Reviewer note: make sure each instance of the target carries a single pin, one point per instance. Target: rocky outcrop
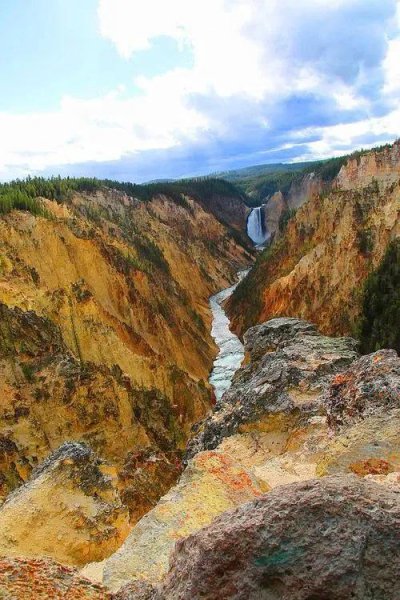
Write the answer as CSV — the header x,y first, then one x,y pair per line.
x,y
290,365
274,207
363,408
280,203
211,484
70,510
317,427
382,165
317,269
334,538
22,579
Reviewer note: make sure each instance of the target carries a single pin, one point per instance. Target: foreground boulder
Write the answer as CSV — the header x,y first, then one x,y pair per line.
x,y
331,539
69,510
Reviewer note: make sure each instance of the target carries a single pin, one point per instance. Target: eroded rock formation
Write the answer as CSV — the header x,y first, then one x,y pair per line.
x,y
104,331
290,364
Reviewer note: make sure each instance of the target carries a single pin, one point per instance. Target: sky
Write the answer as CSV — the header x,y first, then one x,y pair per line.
x,y
138,90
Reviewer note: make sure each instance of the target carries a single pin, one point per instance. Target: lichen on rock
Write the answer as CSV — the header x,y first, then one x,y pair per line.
x,y
290,365
212,483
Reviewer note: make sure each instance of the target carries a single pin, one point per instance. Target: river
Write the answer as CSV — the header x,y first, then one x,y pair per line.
x,y
231,350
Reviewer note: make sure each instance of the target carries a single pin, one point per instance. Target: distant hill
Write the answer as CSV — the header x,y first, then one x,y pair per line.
x,y
260,170
259,182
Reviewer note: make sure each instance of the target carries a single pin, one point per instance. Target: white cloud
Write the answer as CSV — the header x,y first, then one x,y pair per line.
x,y
392,68
226,59
338,139
248,58
101,129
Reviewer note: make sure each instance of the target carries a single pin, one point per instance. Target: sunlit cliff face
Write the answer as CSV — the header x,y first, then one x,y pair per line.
x,y
106,333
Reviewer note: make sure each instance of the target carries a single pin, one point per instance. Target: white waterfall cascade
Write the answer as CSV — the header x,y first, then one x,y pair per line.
x,y
255,226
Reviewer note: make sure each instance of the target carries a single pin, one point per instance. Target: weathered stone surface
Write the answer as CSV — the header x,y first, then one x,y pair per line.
x,y
291,364
370,446
211,484
382,166
22,579
274,334
70,510
369,387
330,539
137,590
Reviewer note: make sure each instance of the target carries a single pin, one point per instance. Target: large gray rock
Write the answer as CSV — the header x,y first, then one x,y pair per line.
x,y
291,364
275,334
337,538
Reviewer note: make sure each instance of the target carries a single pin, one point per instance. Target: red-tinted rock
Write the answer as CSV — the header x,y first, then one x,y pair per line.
x,y
43,579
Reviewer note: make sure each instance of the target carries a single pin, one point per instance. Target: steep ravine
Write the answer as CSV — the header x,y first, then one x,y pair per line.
x,y
291,485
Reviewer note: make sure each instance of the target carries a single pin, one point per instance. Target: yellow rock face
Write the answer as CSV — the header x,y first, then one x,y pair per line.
x,y
284,448
212,483
70,511
370,447
108,338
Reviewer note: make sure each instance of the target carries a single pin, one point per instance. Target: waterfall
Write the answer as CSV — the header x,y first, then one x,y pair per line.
x,y
255,226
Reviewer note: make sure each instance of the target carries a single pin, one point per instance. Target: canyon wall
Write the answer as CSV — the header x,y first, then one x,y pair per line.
x,y
317,268
279,204
104,332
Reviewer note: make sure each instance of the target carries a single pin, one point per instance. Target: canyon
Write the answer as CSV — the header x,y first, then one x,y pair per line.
x,y
150,452
105,337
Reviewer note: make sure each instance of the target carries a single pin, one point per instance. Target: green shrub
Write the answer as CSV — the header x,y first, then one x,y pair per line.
x,y
379,325
365,241
16,199
151,253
